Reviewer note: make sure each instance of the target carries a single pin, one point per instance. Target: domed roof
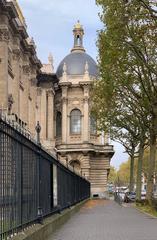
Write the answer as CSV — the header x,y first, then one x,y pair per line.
x,y
75,63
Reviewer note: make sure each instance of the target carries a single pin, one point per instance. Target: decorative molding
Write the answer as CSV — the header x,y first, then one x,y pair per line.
x,y
39,91
50,92
16,54
86,99
10,102
33,82
26,69
4,34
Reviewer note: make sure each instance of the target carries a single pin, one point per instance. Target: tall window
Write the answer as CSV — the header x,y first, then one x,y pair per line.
x,y
93,125
58,124
75,121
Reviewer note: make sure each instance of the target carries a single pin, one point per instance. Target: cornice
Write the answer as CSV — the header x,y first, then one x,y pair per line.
x,y
19,29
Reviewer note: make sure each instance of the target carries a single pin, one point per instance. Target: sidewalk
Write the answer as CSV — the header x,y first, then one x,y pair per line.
x,y
106,220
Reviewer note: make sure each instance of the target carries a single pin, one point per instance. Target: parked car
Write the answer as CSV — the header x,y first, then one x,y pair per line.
x,y
122,195
130,197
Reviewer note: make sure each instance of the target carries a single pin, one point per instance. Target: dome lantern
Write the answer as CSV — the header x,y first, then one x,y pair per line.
x,y
78,37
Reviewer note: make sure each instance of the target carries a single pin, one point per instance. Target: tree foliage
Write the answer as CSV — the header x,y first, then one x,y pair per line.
x,y
112,175
125,99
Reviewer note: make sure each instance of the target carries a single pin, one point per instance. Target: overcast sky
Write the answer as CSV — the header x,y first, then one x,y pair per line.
x,y
50,23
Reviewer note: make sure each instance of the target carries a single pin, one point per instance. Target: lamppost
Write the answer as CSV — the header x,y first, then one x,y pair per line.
x,y
40,211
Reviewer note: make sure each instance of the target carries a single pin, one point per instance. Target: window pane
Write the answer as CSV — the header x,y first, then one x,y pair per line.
x,y
59,124
93,124
75,121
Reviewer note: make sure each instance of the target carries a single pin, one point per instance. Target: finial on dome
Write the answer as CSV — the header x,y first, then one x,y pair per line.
x,y
50,58
64,76
86,74
78,37
86,67
78,25
64,69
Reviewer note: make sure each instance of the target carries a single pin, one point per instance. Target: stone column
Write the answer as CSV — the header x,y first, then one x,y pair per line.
x,y
43,114
50,114
4,41
32,97
38,113
64,114
86,115
24,106
64,120
16,81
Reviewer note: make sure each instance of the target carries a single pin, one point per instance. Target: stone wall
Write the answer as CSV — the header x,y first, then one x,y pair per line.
x,y
19,67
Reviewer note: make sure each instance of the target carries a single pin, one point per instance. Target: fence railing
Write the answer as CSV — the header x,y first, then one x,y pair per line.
x,y
33,184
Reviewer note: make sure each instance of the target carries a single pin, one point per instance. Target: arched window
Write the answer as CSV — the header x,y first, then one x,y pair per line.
x,y
58,124
75,121
93,125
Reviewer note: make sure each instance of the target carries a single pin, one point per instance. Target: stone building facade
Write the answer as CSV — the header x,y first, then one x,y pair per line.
x,y
31,92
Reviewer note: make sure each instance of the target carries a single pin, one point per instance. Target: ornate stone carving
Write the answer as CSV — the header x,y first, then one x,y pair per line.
x,y
4,34
86,89
10,103
16,54
33,82
86,99
64,90
39,91
26,69
50,92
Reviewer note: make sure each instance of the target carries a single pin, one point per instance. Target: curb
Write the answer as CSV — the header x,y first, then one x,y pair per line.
x,y
50,225
145,213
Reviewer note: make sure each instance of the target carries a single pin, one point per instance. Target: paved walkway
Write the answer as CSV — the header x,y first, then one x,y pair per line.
x,y
106,220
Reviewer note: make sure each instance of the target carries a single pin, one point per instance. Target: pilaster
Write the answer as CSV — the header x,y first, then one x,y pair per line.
x,y
50,116
32,97
64,114
25,94
4,41
64,87
16,80
38,114
86,114
43,114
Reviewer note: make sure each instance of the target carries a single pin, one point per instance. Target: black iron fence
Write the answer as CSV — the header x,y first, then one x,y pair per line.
x,y
33,184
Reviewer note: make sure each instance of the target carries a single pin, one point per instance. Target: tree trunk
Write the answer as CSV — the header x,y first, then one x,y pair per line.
x,y
131,187
139,172
151,167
